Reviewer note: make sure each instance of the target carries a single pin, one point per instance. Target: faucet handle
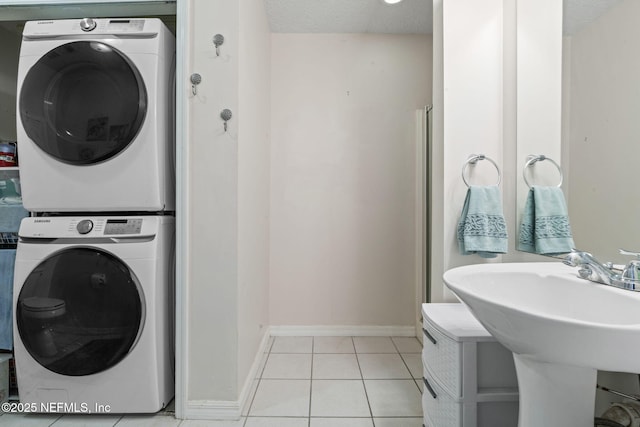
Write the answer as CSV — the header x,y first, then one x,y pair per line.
x,y
631,272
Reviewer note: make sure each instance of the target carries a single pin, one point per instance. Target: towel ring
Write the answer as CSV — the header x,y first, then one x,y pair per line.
x,y
472,160
533,159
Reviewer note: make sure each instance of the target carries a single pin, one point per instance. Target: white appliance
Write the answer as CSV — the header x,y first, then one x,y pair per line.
x,y
95,111
93,303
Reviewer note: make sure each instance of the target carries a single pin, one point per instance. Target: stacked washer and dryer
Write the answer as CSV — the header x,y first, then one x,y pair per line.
x,y
94,277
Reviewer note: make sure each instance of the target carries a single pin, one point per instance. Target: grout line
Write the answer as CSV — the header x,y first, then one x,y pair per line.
x,y
313,342
406,365
119,419
363,384
56,420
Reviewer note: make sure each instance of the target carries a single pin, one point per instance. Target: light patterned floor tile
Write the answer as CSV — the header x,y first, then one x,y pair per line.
x,y
292,345
394,398
341,422
333,345
281,398
414,362
407,344
288,366
335,367
374,345
148,421
398,422
277,422
338,398
383,366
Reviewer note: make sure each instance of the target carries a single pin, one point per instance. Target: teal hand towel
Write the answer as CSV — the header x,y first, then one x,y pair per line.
x,y
7,260
482,229
545,227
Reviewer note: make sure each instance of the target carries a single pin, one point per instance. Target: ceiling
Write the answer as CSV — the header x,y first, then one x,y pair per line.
x,y
375,16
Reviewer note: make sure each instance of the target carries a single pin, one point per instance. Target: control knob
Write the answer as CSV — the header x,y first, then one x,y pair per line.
x,y
87,24
84,226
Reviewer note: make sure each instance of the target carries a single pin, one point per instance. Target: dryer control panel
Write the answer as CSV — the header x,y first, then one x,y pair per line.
x,y
123,226
91,227
148,27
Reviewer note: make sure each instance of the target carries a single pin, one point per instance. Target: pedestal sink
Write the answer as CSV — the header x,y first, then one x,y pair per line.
x,y
561,330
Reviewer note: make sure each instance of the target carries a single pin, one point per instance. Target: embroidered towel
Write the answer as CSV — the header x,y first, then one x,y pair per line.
x,y
545,225
7,259
482,229
10,216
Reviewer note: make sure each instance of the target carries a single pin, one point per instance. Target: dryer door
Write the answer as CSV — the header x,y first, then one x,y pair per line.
x,y
80,311
83,102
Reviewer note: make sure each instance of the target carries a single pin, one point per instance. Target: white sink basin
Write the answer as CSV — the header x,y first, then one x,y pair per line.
x,y
561,329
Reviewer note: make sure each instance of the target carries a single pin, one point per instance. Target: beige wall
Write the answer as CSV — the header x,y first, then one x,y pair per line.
x,y
342,176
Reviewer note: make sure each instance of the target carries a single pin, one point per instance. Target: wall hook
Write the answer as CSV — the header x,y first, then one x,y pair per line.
x,y
218,40
226,116
195,81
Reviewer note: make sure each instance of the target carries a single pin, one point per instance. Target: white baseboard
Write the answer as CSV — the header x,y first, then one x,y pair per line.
x,y
228,409
212,410
343,331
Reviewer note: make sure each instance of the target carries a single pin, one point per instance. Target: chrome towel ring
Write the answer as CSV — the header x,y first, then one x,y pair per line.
x,y
532,159
472,160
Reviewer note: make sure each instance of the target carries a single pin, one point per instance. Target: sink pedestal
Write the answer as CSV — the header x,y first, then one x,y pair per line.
x,y
555,395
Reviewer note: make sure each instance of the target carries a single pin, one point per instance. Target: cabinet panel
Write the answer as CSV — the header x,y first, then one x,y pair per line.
x,y
442,356
470,378
440,409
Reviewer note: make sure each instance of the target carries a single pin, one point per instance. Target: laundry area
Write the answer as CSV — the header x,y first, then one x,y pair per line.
x,y
87,208
289,204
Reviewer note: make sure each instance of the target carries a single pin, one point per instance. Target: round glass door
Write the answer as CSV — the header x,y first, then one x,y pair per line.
x,y
80,312
83,102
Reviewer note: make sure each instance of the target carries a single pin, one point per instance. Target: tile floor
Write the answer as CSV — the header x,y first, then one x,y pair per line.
x,y
306,382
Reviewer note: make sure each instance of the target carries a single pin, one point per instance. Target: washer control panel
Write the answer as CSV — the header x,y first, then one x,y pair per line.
x,y
84,226
88,24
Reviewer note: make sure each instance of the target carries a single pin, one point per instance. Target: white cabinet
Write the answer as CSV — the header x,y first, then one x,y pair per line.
x,y
469,378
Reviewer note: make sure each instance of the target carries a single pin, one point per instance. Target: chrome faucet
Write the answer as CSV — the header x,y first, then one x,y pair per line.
x,y
591,269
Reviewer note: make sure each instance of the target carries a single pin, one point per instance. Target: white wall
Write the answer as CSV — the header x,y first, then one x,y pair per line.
x,y
213,215
487,64
539,117
254,122
228,204
342,176
468,116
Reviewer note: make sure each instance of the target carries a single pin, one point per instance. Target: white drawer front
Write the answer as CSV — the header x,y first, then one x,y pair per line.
x,y
442,357
441,410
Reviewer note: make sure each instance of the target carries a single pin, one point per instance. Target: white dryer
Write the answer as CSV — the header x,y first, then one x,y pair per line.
x,y
95,122
94,308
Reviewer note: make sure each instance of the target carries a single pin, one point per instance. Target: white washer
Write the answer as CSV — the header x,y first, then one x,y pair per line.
x,y
95,111
94,308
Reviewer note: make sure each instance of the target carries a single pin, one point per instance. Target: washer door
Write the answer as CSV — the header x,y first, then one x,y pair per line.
x,y
80,311
83,102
